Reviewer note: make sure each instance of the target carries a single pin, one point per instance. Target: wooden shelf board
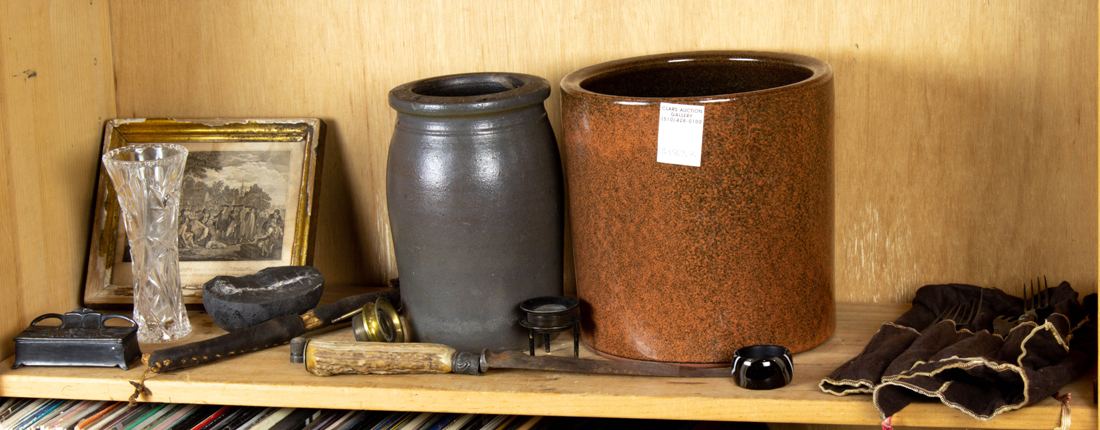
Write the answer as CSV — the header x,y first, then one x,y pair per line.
x,y
267,378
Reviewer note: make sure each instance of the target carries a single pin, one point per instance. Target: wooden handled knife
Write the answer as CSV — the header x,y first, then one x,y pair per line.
x,y
327,358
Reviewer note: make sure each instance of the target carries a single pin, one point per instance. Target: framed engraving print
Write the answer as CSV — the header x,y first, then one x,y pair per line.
x,y
248,201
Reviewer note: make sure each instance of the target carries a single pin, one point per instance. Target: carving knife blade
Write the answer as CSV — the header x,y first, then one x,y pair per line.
x,y
521,360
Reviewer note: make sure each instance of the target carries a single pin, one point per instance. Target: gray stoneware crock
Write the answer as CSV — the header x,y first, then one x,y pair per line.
x,y
474,188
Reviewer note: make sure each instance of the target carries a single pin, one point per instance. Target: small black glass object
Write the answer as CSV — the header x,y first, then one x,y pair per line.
x,y
762,367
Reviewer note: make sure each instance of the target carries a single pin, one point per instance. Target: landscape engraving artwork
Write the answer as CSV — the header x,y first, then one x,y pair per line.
x,y
234,206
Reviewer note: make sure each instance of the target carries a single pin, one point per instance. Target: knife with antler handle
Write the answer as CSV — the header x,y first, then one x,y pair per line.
x,y
327,358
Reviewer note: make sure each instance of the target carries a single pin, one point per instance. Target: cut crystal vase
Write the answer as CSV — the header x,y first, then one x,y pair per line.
x,y
147,179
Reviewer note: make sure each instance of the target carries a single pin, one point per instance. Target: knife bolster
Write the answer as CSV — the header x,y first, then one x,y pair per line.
x,y
466,363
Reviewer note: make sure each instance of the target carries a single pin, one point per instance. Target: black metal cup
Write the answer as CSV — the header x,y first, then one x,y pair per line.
x,y
762,367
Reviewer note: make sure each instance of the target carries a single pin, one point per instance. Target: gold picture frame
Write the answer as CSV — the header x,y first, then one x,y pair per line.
x,y
238,172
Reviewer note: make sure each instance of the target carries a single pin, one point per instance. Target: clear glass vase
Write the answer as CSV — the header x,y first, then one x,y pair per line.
x,y
147,179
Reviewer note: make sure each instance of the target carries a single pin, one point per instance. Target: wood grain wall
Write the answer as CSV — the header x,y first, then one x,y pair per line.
x,y
56,90
966,131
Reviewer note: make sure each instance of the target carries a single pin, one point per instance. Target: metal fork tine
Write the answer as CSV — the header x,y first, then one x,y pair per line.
x,y
943,314
1028,298
1036,294
959,313
975,309
939,317
1039,293
1046,293
960,308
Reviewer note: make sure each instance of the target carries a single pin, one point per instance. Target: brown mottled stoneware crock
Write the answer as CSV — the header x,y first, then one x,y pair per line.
x,y
686,264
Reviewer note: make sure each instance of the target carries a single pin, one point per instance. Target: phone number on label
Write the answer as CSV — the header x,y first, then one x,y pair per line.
x,y
682,121
679,153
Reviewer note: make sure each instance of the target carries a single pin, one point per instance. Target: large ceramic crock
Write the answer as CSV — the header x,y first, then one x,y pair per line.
x,y
683,263
474,190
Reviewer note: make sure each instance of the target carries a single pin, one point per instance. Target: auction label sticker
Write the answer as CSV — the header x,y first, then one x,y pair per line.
x,y
680,134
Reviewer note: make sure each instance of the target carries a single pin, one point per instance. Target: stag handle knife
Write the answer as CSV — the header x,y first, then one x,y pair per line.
x,y
327,358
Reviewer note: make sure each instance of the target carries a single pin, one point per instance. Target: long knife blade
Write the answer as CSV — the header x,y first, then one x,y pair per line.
x,y
521,360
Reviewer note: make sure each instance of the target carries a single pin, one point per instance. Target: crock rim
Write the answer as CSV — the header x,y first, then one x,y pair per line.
x,y
821,73
526,90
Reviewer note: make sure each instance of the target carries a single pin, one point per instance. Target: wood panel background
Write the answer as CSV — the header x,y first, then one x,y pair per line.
x,y
56,92
966,131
